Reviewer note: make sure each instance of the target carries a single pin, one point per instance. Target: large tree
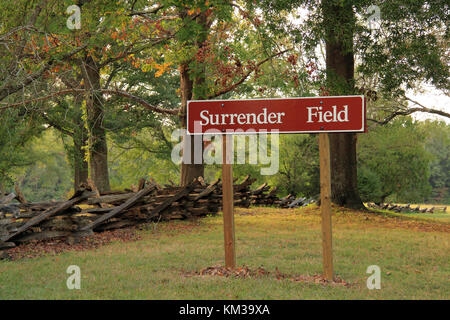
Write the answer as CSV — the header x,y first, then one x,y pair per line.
x,y
206,42
339,23
407,48
210,50
44,60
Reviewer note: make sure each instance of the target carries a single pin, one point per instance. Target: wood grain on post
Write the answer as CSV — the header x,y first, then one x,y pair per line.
x,y
325,205
228,211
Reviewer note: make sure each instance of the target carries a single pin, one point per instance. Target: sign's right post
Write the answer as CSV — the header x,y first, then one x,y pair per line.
x,y
325,205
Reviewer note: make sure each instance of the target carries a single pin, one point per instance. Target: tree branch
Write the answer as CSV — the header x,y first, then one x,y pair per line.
x,y
409,111
141,101
104,91
140,13
428,110
245,76
56,125
6,91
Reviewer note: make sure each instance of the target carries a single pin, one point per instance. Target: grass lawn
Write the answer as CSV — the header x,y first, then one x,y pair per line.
x,y
413,255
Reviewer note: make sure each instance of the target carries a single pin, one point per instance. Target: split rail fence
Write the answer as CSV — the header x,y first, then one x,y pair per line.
x,y
89,211
406,209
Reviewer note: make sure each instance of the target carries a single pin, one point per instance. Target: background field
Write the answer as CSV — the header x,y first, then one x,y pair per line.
x,y
413,255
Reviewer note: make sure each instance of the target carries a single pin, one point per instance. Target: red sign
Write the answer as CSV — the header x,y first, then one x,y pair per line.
x,y
287,115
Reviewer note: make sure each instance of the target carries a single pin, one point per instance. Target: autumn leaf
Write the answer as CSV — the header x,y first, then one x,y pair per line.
x,y
161,69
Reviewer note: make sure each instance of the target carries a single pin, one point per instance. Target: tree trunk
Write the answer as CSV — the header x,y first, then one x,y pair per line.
x,y
98,149
80,142
339,23
190,171
81,166
344,184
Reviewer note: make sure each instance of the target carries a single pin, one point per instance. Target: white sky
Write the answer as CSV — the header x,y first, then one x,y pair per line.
x,y
431,98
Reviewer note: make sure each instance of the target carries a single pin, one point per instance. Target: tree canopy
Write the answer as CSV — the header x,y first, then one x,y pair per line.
x,y
111,92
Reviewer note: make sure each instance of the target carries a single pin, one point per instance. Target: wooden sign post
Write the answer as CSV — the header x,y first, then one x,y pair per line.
x,y
339,114
325,205
227,203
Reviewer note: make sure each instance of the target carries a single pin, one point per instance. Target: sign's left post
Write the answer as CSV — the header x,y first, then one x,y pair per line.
x,y
227,201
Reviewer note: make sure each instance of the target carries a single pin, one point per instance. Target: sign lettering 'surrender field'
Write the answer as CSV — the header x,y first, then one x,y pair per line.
x,y
293,115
